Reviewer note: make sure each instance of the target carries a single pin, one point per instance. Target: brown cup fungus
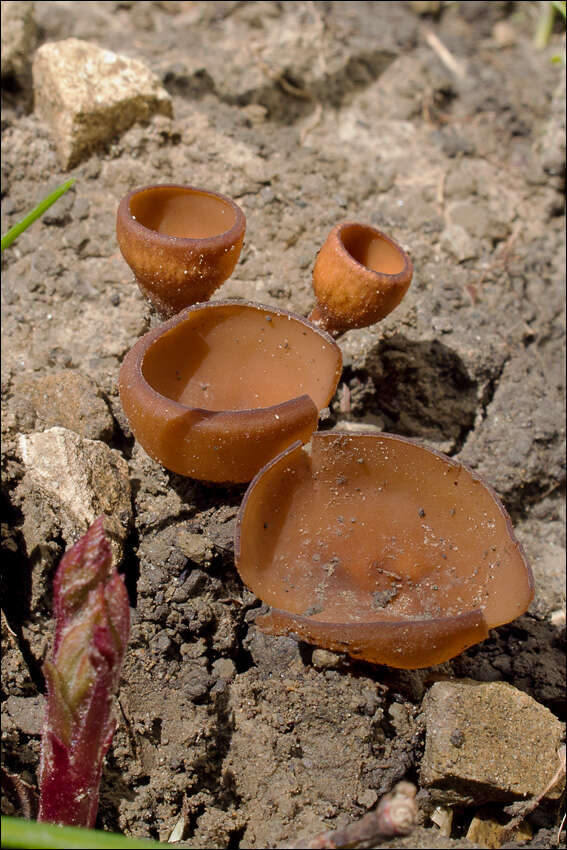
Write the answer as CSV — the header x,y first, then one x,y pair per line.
x,y
360,275
375,546
181,243
222,388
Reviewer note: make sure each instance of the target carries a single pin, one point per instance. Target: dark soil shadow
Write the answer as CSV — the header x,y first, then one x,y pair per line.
x,y
419,389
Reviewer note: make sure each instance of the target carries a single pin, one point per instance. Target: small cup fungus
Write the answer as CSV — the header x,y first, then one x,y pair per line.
x,y
375,546
360,275
181,243
220,389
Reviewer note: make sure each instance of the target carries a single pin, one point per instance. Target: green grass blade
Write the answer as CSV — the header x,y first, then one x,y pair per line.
x,y
559,6
17,832
38,211
544,25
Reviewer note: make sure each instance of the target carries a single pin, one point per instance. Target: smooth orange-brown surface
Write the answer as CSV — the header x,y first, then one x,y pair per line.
x,y
220,389
181,243
375,546
360,275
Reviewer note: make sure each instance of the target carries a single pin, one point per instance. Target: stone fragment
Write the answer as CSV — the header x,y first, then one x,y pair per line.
x,y
88,96
196,683
272,654
504,34
19,34
323,659
487,742
78,479
367,798
71,400
425,7
442,817
224,668
196,547
485,830
457,241
255,113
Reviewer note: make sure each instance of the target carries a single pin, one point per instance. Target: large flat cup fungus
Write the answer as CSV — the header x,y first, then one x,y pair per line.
x,y
375,546
360,275
181,243
220,389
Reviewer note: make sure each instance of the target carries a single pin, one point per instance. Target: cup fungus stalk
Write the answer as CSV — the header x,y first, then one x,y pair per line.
x,y
92,617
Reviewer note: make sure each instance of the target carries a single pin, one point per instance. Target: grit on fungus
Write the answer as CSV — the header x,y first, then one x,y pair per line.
x,y
219,390
378,547
181,243
360,275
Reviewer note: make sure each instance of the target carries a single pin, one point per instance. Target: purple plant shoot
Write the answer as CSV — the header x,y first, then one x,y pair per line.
x,y
92,614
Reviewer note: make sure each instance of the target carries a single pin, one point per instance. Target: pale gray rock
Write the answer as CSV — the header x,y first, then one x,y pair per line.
x,y
272,653
78,479
323,659
459,244
224,668
88,96
487,742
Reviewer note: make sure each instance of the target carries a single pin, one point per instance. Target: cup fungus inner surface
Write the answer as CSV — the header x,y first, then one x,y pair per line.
x,y
236,357
371,249
181,212
369,529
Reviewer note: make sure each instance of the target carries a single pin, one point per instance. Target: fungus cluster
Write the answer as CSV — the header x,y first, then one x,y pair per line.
x,y
367,544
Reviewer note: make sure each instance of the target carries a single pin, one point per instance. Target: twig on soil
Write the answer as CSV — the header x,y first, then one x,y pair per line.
x,y
310,125
444,54
395,814
278,76
501,260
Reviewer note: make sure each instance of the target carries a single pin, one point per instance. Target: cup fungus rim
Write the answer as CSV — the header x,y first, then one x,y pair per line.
x,y
302,618
143,344
398,277
231,234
